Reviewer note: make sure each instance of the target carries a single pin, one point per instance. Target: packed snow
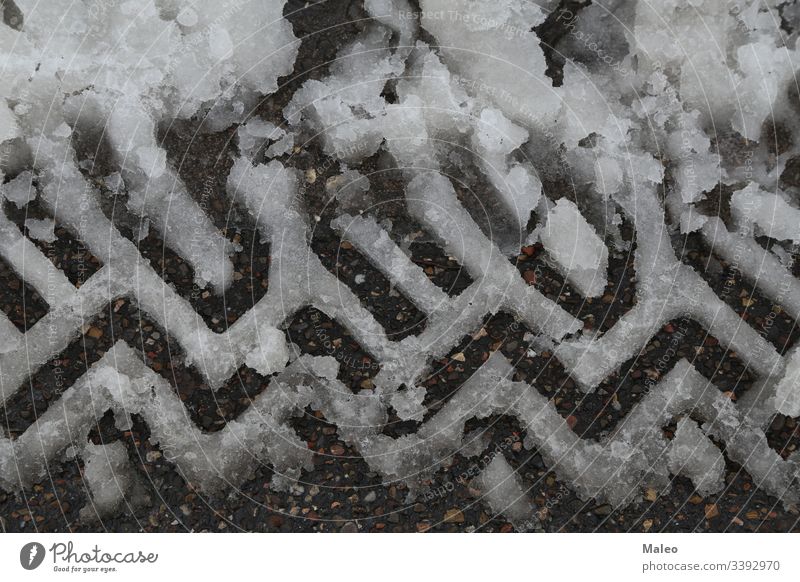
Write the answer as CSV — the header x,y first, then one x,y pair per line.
x,y
495,153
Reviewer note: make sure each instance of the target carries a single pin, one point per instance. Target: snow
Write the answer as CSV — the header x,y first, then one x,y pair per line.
x,y
20,190
41,229
271,354
577,249
787,394
350,189
502,488
693,455
254,134
766,214
489,154
110,478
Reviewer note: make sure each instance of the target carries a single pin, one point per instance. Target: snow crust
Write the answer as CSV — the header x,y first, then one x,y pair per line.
x,y
484,141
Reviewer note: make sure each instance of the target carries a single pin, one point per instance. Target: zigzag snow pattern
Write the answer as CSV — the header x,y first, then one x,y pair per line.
x,y
482,109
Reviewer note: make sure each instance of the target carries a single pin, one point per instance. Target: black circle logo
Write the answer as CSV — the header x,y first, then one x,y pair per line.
x,y
31,555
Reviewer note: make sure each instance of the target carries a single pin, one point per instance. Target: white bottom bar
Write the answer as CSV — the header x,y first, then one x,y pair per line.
x,y
354,557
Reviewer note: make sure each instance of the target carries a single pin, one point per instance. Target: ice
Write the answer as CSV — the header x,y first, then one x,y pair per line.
x,y
375,242
114,182
20,190
111,480
734,71
350,189
693,455
482,136
608,175
41,229
283,146
494,139
502,488
493,49
397,15
271,353
347,105
787,394
576,248
8,125
254,134
765,214
152,160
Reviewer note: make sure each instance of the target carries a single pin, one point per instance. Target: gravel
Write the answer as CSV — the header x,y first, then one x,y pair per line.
x,y
341,493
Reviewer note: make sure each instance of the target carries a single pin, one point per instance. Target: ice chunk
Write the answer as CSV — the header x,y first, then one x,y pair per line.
x,y
20,190
346,108
41,229
397,15
693,455
351,190
574,245
283,146
8,125
766,213
114,182
787,395
501,487
408,403
496,53
152,160
110,478
608,175
494,139
255,133
692,220
271,353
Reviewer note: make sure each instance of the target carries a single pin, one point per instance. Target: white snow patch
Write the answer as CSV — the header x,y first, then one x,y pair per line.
x,y
574,245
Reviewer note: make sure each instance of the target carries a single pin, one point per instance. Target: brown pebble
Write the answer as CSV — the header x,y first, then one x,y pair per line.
x,y
454,516
530,277
711,511
275,521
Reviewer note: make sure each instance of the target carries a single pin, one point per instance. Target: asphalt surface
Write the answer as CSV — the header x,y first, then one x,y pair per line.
x,y
342,493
